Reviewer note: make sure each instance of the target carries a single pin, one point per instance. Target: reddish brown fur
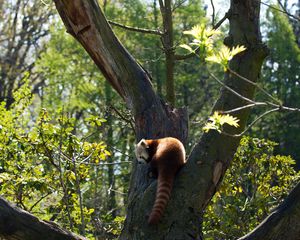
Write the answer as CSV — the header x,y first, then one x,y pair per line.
x,y
167,156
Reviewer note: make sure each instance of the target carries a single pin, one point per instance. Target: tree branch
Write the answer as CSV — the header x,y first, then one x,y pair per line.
x,y
252,123
256,85
87,23
282,11
16,224
141,30
232,90
218,24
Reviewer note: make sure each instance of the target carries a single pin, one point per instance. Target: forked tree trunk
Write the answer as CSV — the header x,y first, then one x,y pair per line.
x,y
197,182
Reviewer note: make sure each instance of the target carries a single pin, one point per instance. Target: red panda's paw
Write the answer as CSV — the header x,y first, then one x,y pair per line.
x,y
152,173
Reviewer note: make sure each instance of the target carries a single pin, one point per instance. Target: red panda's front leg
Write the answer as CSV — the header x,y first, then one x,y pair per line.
x,y
152,172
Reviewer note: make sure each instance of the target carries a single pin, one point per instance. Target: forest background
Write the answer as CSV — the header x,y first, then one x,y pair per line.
x,y
67,139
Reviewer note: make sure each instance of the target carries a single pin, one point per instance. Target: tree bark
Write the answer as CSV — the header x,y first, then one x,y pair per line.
x,y
168,44
110,168
16,224
153,118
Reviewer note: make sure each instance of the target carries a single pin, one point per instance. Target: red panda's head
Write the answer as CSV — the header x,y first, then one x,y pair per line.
x,y
141,151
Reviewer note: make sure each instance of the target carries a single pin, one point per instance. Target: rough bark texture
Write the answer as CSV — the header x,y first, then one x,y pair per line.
x,y
16,224
168,44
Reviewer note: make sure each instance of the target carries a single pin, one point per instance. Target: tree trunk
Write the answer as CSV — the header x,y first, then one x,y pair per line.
x,y
200,178
109,140
198,181
157,53
168,44
23,20
153,119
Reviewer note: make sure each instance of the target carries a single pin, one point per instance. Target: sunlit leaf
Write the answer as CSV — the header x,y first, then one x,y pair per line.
x,y
217,120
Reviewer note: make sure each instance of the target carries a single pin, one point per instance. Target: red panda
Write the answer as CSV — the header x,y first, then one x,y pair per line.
x,y
165,156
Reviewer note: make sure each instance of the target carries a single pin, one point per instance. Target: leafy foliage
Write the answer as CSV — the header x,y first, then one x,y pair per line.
x,y
204,45
224,55
71,80
217,120
203,39
256,182
44,167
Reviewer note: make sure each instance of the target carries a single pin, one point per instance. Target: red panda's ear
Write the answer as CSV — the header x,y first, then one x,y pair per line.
x,y
144,143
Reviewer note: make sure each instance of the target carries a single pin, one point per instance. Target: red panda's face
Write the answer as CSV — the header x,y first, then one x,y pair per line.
x,y
141,151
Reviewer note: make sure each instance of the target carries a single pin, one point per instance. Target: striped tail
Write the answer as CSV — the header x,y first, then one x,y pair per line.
x,y
164,187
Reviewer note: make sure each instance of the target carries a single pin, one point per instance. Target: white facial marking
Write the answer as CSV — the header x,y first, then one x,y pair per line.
x,y
141,151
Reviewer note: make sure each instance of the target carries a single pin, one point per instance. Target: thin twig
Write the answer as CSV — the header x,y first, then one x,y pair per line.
x,y
39,200
282,11
94,164
290,109
278,107
122,117
226,16
116,191
113,163
64,187
230,89
281,5
79,193
118,150
244,107
252,103
285,10
135,29
175,6
213,13
256,85
251,124
186,56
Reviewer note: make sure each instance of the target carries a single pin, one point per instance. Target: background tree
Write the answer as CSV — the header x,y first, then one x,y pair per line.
x,y
281,79
22,28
